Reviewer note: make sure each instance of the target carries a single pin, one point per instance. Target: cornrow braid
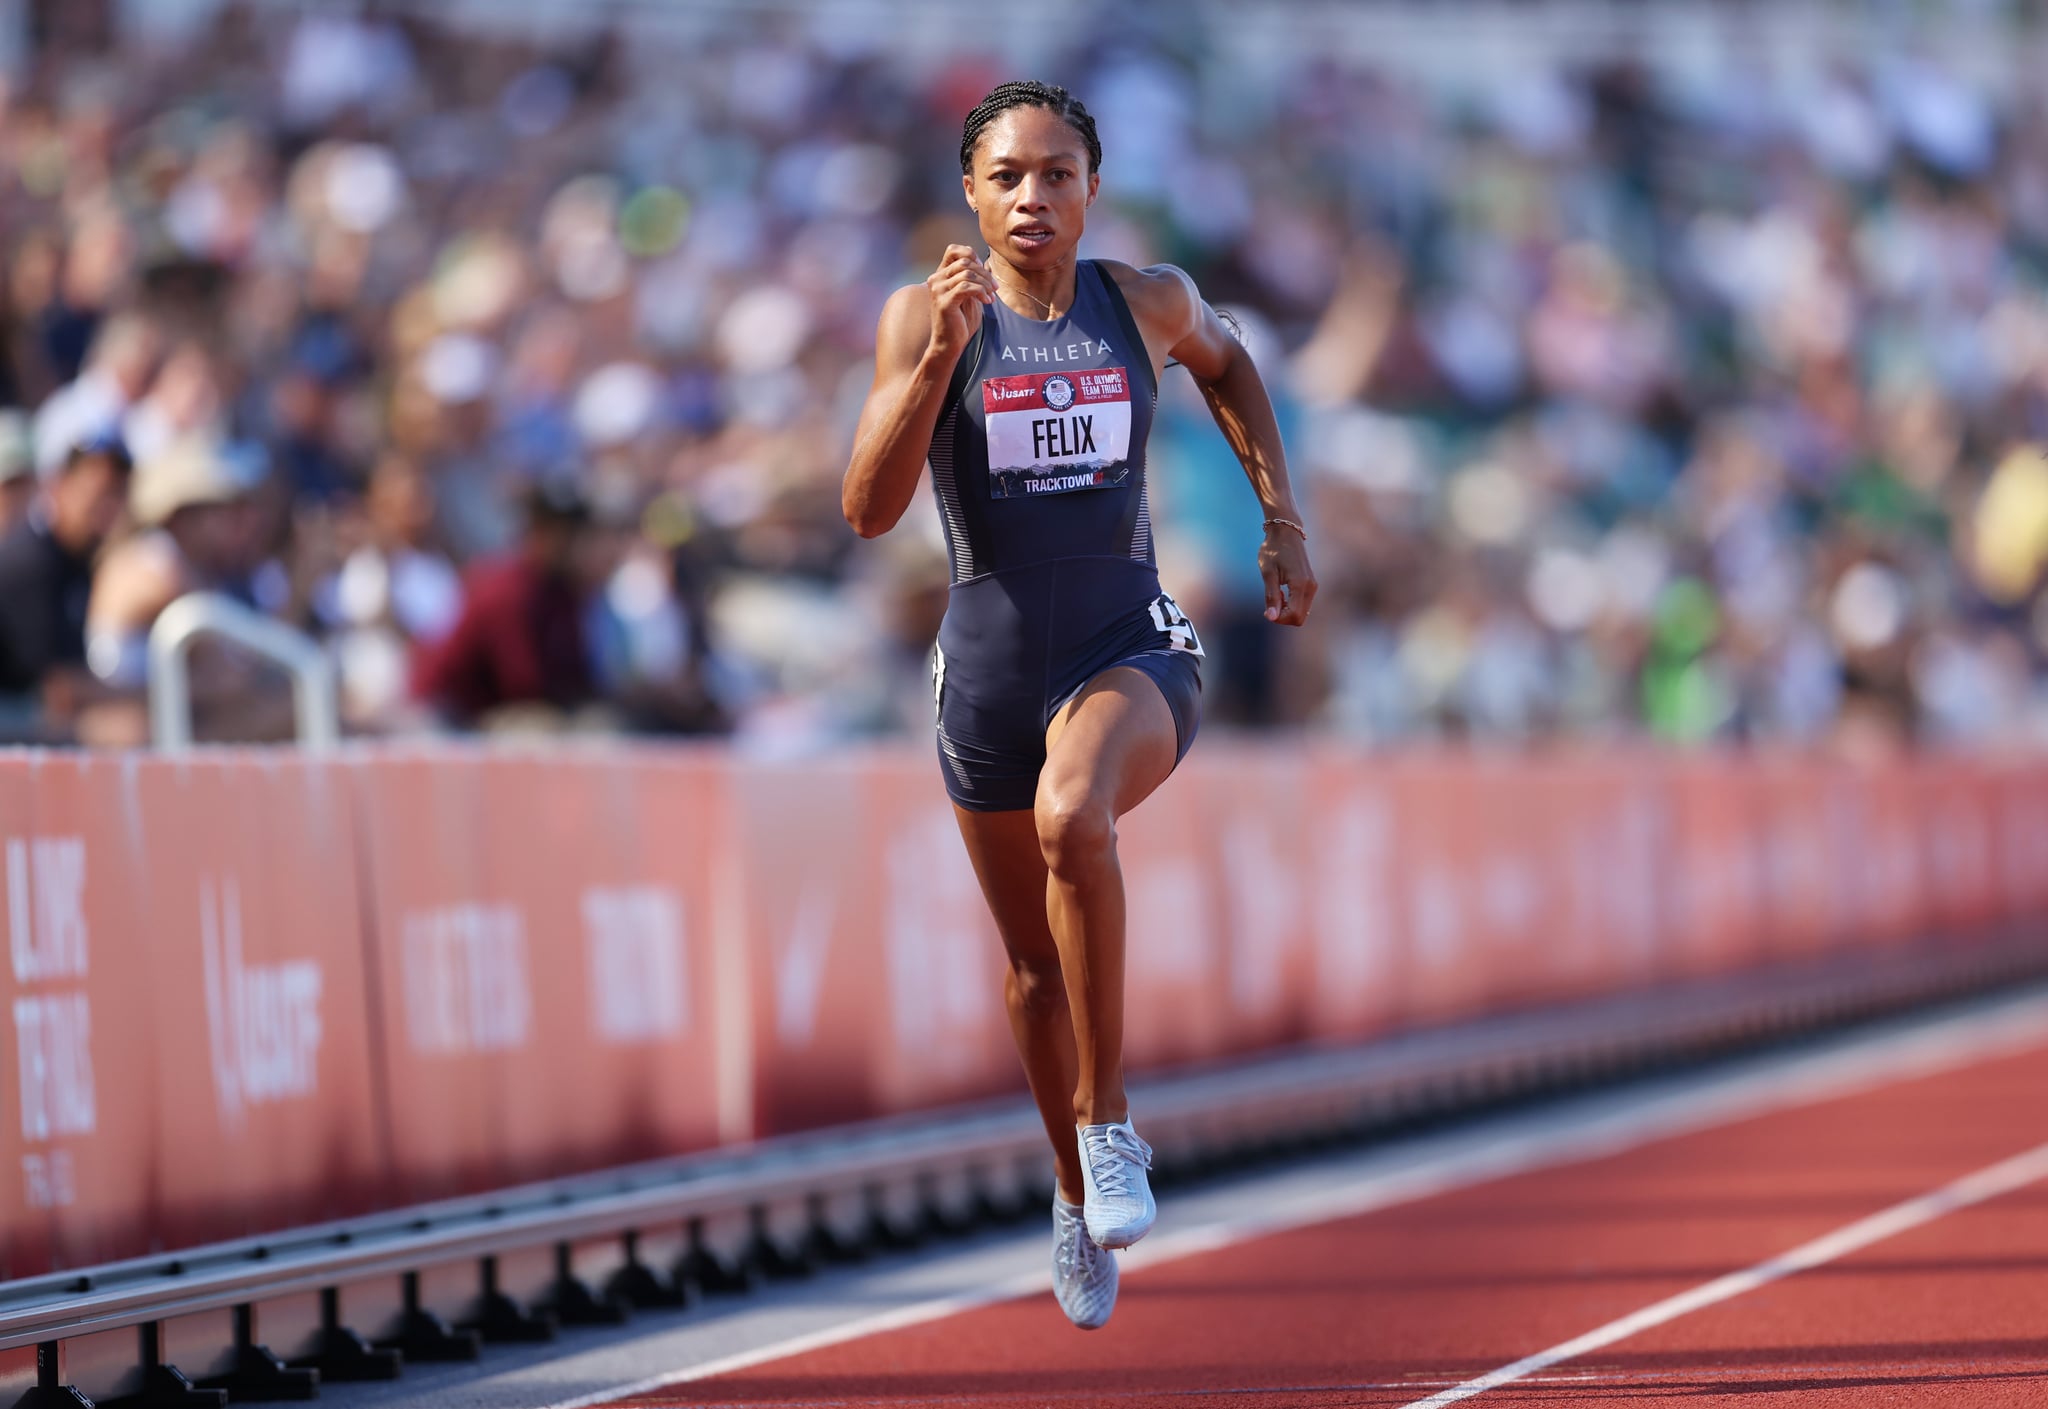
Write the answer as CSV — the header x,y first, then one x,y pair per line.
x,y
1027,93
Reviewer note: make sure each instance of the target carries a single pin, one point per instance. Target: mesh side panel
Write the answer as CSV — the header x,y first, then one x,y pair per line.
x,y
949,497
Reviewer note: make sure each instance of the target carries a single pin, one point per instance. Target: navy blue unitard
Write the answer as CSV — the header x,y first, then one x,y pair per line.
x,y
1038,462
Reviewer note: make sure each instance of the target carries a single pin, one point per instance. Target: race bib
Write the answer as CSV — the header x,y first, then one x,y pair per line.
x,y
1055,432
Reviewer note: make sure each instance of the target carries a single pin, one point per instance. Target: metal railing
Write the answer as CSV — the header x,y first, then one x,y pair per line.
x,y
198,614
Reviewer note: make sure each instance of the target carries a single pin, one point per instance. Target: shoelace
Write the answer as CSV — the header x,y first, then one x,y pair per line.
x,y
1113,1177
1075,1253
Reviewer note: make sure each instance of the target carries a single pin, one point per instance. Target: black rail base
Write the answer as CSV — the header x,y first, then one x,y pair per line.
x,y
165,1387
644,1289
344,1357
50,1391
503,1321
257,1373
423,1336
703,1268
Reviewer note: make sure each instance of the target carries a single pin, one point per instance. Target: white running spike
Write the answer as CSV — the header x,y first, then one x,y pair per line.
x,y
1084,1276
1119,1209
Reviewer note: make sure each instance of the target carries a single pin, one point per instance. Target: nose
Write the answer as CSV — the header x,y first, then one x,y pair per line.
x,y
1030,194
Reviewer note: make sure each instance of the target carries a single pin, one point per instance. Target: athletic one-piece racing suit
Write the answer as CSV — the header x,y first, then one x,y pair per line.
x,y
1038,463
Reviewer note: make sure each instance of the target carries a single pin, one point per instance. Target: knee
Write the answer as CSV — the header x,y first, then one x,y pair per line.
x,y
1035,988
1076,830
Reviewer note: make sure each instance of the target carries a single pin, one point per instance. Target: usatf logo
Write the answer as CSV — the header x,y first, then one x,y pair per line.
x,y
1059,393
263,1020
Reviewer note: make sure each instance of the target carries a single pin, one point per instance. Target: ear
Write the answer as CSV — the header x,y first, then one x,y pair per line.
x,y
967,190
1094,184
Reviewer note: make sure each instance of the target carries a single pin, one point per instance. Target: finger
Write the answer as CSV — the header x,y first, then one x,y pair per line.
x,y
1300,598
962,288
1276,601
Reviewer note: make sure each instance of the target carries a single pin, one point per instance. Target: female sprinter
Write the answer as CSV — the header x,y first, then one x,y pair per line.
x,y
1068,684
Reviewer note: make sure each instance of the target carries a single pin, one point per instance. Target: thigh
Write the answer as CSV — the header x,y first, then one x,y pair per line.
x,y
1011,868
1115,740
991,739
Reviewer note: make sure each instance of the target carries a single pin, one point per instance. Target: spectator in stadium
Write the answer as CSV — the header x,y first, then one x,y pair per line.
x,y
17,470
198,527
183,400
1571,353
395,594
46,577
518,656
123,364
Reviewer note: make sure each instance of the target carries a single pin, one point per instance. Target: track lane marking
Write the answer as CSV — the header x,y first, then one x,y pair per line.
x,y
2005,1177
1943,1045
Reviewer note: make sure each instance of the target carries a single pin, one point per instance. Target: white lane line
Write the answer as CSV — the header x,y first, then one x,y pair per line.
x,y
1548,1140
2001,1178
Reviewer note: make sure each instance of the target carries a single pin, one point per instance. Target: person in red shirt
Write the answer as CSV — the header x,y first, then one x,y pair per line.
x,y
520,639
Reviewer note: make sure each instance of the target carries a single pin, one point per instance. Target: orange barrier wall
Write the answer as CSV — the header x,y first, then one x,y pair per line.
x,y
191,1054
251,990
540,929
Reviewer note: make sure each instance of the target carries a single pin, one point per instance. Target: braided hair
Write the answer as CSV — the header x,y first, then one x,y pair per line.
x,y
1028,93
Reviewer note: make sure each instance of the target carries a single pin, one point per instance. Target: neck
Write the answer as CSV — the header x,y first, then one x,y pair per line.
x,y
1052,287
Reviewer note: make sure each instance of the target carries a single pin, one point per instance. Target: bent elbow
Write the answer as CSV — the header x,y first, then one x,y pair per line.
x,y
866,522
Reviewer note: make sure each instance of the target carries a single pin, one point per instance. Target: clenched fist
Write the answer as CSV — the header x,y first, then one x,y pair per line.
x,y
960,287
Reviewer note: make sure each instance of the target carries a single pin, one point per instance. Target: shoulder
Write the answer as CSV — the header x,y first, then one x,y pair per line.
x,y
1160,295
498,583
139,577
150,553
909,308
905,324
906,301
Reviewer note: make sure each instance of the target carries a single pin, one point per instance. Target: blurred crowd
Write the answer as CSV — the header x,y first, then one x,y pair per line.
x,y
1626,398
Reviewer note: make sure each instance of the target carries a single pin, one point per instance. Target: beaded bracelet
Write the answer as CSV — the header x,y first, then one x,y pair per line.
x,y
1290,523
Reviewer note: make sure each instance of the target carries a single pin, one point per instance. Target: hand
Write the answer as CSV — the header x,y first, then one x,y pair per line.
x,y
960,287
1290,581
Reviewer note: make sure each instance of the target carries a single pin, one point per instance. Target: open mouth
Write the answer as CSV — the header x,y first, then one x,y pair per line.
x,y
1032,236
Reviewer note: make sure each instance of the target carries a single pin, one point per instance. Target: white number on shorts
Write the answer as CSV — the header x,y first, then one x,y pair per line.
x,y
1180,632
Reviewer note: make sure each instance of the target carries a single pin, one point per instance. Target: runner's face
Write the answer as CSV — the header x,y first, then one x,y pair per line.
x,y
1030,187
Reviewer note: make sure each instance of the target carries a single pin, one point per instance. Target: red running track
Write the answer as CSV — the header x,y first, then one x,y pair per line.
x,y
1394,1306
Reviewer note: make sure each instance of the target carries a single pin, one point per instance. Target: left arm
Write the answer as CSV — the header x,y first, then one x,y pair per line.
x,y
1165,299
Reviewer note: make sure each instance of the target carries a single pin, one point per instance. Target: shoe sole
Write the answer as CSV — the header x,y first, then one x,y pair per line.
x,y
1091,1325
1119,1239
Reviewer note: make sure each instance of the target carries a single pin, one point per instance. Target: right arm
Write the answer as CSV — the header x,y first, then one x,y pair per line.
x,y
923,331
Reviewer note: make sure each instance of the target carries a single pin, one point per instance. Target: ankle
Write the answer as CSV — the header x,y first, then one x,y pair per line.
x,y
1102,1112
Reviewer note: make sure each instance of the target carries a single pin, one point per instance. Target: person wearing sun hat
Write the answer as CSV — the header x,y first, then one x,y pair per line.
x,y
191,505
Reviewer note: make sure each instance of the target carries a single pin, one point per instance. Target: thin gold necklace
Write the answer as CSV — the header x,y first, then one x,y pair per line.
x,y
1050,312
